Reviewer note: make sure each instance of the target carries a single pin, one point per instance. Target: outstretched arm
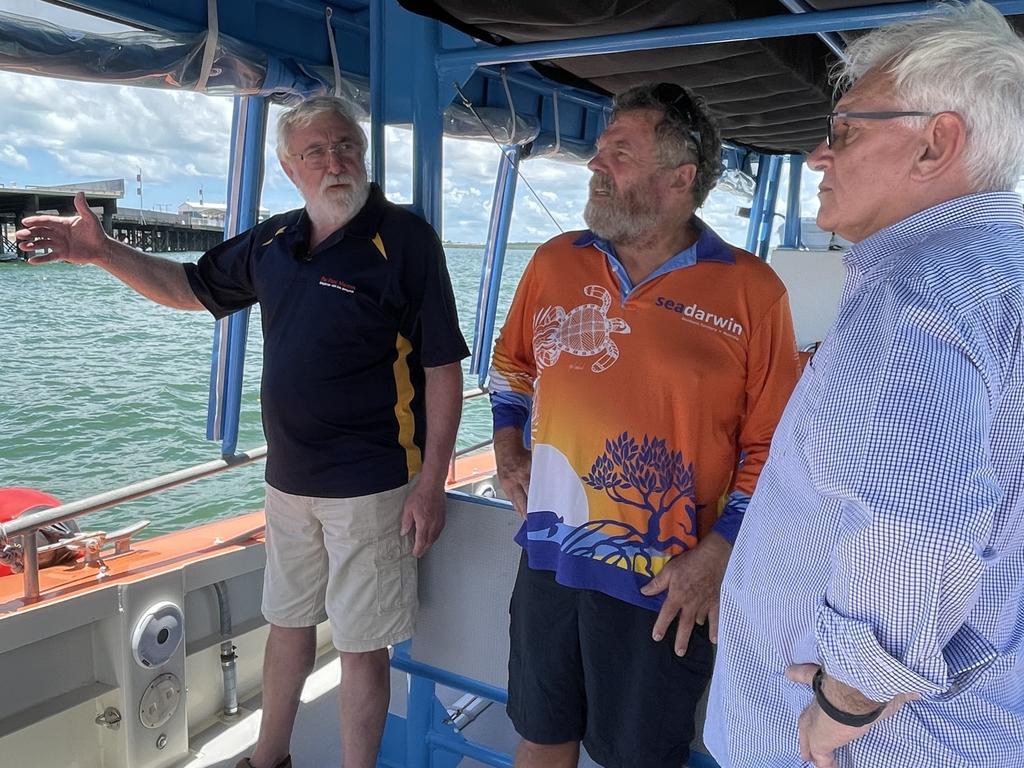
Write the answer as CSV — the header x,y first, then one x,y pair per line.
x,y
80,239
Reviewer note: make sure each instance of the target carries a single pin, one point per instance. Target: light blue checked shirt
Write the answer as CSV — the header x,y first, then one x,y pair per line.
x,y
885,539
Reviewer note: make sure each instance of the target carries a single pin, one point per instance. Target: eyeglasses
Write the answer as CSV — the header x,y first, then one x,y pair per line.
x,y
318,157
674,98
830,133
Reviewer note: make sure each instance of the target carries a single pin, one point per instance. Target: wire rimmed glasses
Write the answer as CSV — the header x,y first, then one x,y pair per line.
x,y
830,136
318,157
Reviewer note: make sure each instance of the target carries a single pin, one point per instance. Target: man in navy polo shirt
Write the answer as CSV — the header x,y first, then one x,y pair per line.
x,y
361,393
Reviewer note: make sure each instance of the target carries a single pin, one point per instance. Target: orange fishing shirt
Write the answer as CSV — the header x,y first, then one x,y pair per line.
x,y
650,408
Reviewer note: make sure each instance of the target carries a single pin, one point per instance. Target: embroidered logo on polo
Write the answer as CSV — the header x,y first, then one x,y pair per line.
x,y
333,282
694,313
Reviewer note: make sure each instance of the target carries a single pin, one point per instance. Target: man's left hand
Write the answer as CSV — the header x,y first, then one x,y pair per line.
x,y
693,581
424,512
820,735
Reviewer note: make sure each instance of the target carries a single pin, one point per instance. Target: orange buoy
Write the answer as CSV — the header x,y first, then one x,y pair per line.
x,y
15,502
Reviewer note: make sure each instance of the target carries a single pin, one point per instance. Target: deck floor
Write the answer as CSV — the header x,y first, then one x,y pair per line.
x,y
316,740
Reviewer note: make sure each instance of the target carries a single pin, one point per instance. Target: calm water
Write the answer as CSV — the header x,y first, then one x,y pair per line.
x,y
100,388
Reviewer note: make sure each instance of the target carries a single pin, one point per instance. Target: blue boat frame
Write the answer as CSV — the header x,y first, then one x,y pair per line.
x,y
412,84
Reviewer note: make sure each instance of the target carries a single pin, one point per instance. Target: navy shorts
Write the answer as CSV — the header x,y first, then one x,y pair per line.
x,y
583,667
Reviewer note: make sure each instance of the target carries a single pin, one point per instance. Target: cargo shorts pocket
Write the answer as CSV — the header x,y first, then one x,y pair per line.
x,y
396,573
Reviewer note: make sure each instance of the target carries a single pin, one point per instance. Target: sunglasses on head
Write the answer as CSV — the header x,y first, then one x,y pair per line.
x,y
674,98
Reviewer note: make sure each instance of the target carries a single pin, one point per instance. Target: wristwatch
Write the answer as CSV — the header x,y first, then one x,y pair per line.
x,y
841,717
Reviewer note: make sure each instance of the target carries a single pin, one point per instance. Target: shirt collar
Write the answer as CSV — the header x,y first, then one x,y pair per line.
x,y
364,224
708,247
979,209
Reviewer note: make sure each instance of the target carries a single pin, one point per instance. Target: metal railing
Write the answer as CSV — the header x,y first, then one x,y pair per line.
x,y
26,526
469,394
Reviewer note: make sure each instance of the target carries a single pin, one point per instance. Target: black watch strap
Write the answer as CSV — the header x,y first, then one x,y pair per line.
x,y
841,717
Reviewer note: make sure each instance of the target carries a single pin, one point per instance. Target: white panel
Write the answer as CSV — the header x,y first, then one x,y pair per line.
x,y
465,583
814,280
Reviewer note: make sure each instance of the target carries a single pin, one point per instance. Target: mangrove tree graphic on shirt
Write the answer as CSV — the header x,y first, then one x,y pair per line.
x,y
645,476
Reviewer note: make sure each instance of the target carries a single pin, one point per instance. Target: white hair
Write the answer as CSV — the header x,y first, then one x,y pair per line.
x,y
965,59
303,113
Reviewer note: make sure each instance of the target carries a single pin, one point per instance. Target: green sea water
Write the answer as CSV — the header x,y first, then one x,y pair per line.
x,y
100,387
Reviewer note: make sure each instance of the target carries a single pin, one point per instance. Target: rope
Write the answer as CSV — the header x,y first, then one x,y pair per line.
x,y
469,105
210,49
558,131
511,104
335,61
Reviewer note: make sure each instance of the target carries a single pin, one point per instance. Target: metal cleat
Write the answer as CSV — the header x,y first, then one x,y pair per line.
x,y
92,543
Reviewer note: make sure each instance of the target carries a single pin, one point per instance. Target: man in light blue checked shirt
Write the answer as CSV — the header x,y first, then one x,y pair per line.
x,y
873,610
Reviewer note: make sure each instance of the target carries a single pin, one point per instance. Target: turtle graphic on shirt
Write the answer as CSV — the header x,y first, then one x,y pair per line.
x,y
583,331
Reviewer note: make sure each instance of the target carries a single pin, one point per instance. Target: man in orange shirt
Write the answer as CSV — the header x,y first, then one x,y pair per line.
x,y
651,361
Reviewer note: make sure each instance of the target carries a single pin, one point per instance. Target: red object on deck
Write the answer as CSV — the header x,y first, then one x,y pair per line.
x,y
16,501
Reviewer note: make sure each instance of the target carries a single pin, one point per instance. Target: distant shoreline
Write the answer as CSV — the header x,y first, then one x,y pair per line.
x,y
514,246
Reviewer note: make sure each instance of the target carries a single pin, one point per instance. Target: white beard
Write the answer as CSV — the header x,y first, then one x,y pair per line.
x,y
333,210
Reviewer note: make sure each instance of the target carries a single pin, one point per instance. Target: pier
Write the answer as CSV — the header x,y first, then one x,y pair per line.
x,y
142,229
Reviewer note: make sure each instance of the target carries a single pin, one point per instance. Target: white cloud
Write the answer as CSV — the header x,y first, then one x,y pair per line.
x,y
12,157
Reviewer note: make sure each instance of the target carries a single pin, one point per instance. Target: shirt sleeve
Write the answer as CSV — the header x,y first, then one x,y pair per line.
x,y
434,319
222,278
772,372
916,518
513,367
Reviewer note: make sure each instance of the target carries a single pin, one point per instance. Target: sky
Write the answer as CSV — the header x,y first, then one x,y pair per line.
x,y
60,132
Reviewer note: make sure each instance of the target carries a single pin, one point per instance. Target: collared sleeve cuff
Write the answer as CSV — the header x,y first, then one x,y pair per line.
x,y
851,653
510,409
728,524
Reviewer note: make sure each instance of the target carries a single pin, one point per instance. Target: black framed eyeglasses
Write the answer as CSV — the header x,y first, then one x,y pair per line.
x,y
674,98
830,136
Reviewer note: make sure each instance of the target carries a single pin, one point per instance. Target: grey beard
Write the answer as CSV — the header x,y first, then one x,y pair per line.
x,y
614,223
332,214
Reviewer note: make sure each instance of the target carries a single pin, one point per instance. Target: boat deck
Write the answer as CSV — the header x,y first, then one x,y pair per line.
x,y
316,741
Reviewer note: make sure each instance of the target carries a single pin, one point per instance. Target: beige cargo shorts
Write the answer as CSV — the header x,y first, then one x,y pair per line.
x,y
341,559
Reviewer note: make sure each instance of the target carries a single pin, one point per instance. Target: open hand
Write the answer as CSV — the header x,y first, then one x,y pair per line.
x,y
78,239
693,581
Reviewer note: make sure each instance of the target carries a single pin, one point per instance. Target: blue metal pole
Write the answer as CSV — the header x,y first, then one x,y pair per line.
x,y
757,204
377,168
427,143
494,261
768,209
478,752
833,41
784,25
245,178
791,234
419,707
402,661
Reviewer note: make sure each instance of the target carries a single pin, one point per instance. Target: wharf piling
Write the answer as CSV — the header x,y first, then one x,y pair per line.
x,y
145,230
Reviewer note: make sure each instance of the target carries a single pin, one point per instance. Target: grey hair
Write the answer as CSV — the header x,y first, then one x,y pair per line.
x,y
677,139
303,113
966,59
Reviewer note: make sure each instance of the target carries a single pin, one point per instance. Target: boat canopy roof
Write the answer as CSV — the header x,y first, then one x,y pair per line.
x,y
536,71
770,93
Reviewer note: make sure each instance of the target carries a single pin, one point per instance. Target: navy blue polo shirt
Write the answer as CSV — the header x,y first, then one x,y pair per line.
x,y
347,331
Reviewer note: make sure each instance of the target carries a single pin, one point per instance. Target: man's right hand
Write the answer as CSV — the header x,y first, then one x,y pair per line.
x,y
76,239
513,462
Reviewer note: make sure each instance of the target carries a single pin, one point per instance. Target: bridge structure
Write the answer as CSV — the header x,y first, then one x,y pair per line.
x,y
146,230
